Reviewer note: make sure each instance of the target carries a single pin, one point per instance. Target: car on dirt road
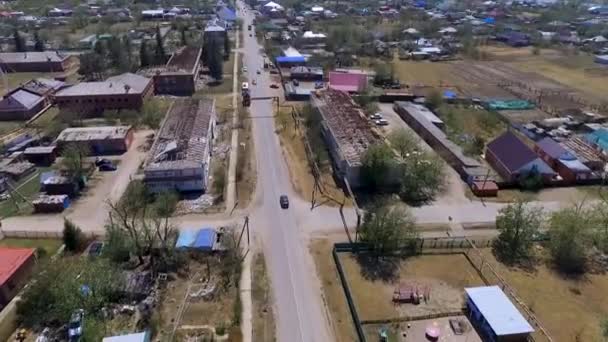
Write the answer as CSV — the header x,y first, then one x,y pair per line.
x,y
284,201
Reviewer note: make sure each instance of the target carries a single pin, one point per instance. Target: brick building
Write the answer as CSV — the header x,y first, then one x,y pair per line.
x,y
126,91
34,61
180,74
16,265
179,159
29,99
101,140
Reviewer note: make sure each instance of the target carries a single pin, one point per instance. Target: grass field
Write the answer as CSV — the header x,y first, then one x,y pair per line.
x,y
28,188
571,309
50,246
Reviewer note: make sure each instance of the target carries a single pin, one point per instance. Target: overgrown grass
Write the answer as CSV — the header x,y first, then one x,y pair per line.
x,y
28,188
49,246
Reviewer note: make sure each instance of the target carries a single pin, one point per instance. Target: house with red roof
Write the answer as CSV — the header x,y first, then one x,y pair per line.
x,y
16,265
351,82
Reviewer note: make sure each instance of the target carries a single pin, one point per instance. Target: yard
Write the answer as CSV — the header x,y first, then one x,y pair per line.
x,y
445,275
27,188
49,246
466,124
195,302
571,309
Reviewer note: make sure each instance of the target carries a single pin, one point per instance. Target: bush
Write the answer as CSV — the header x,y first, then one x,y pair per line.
x,y
72,236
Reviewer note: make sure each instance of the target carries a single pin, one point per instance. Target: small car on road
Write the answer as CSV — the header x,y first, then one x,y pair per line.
x,y
274,86
254,82
284,201
258,72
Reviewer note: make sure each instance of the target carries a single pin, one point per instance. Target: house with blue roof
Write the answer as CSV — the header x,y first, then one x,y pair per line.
x,y
569,168
495,316
513,159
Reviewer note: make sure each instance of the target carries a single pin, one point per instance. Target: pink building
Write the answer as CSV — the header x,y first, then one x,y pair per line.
x,y
348,82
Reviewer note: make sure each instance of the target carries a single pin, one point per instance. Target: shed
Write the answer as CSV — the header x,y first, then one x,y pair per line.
x,y
186,238
495,315
563,161
137,337
205,239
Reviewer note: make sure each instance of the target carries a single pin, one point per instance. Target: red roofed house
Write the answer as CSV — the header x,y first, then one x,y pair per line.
x,y
16,264
349,82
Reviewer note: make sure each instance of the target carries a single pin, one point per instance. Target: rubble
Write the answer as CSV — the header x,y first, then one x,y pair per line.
x,y
195,205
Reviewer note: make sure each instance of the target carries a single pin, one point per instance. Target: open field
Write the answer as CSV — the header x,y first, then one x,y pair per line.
x,y
570,309
301,176
28,188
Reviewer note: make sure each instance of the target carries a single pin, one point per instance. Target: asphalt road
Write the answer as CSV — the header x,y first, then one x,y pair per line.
x,y
299,311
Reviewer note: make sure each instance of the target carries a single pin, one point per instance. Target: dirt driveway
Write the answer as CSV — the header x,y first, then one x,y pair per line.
x,y
90,211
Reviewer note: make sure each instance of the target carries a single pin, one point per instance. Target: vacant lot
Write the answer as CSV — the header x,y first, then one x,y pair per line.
x,y
445,276
185,305
570,309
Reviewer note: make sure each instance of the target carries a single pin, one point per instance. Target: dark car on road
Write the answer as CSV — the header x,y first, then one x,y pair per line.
x,y
284,201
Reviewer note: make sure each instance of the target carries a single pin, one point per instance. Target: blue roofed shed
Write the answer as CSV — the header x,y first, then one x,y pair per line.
x,y
186,238
205,239
565,163
495,315
285,61
137,337
226,14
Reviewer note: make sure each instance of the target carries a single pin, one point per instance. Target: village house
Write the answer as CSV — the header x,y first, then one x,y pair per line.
x,y
27,100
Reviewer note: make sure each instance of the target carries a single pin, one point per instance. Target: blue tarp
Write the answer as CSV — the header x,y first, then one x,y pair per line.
x,y
448,94
186,238
489,20
295,59
204,239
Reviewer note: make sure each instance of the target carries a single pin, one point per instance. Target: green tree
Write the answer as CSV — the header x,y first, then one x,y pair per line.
x,y
422,176
403,142
118,55
387,229
183,35
215,61
72,236
38,43
18,41
91,65
117,247
144,55
219,181
58,291
73,160
517,223
376,164
159,51
569,238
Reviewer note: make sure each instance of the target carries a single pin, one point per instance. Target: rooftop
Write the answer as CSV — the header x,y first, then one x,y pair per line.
x,y
11,259
116,85
42,86
347,81
182,61
73,134
352,131
512,152
182,139
502,316
137,337
20,99
32,57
